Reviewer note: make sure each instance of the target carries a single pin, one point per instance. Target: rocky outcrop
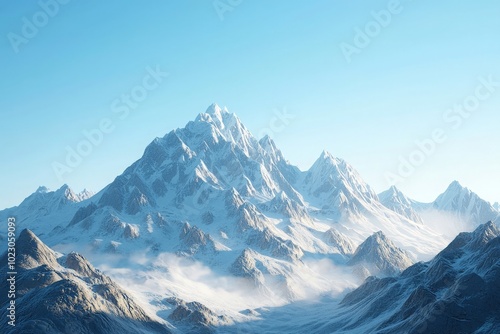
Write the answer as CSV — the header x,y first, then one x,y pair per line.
x,y
68,295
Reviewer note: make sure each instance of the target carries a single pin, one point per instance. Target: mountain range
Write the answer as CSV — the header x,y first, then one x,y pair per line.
x,y
67,294
213,196
455,292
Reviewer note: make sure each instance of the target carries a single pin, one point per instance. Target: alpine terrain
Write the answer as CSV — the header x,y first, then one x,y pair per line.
x,y
213,230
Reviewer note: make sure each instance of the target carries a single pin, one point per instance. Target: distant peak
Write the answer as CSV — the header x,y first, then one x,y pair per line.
x,y
265,140
64,187
378,236
328,160
42,190
455,188
455,185
376,240
268,144
65,191
326,155
394,189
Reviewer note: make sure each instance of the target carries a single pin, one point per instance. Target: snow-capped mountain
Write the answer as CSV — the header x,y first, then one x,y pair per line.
x,y
337,187
496,205
211,190
193,317
455,292
62,294
395,200
465,204
378,256
213,194
43,201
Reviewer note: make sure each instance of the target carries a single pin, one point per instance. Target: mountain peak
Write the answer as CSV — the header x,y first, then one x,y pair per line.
x,y
225,124
268,144
42,190
395,200
465,204
455,186
392,193
484,233
327,155
217,115
266,141
377,238
337,183
395,190
327,160
381,255
65,192
214,109
472,240
27,236
33,252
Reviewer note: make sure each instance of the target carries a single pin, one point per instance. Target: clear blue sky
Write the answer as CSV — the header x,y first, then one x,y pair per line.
x,y
263,55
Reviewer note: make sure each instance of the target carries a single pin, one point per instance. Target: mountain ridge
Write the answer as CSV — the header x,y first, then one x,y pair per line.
x,y
213,194
67,294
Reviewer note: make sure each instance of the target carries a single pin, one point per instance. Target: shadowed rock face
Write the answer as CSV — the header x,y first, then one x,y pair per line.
x,y
194,317
379,256
32,252
68,295
457,292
